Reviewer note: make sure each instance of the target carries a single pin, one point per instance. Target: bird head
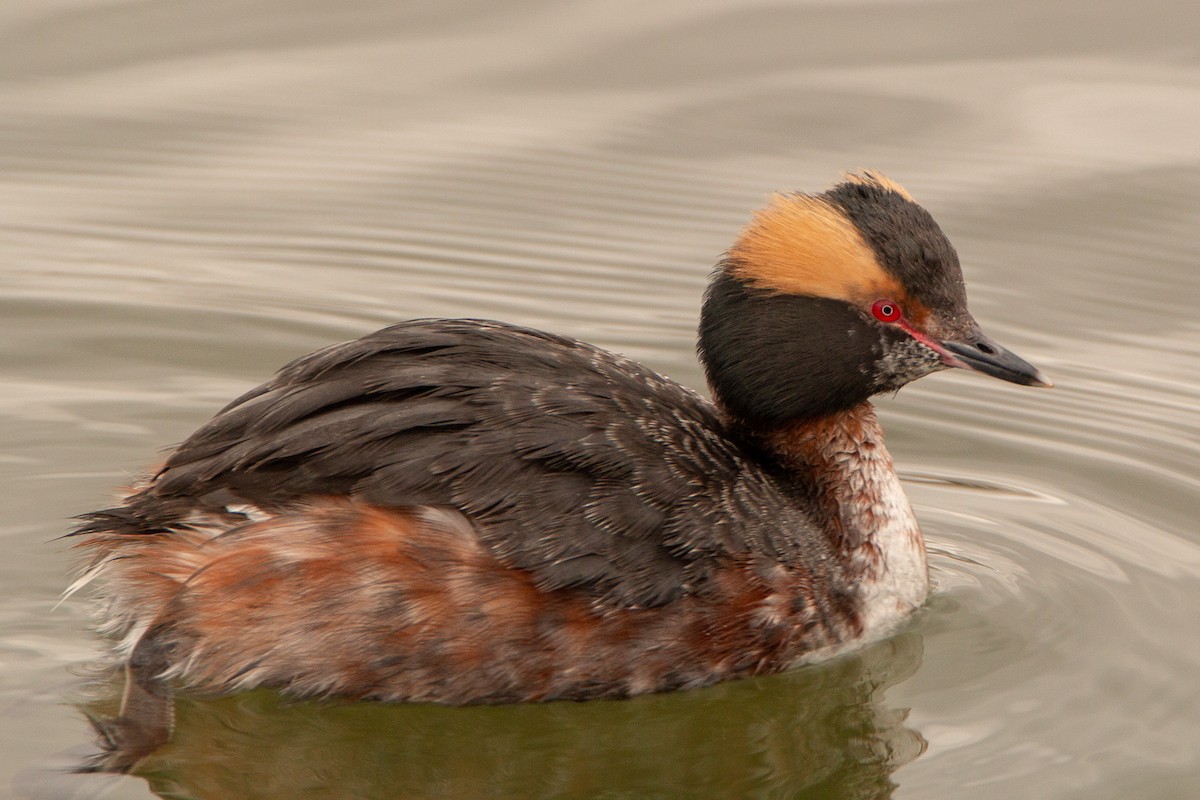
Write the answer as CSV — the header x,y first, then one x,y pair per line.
x,y
825,300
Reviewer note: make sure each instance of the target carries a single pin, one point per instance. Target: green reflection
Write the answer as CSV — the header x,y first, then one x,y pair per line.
x,y
817,732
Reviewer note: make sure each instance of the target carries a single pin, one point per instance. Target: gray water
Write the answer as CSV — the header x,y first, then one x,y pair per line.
x,y
193,192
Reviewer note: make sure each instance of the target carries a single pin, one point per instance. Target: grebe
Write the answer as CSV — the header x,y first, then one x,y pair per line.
x,y
466,511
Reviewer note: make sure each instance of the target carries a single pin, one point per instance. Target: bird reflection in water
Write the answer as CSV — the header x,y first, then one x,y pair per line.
x,y
820,731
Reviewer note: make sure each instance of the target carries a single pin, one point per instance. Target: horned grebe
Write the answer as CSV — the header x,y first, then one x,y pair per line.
x,y
466,511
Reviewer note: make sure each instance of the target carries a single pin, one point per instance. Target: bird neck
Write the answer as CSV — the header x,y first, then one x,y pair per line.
x,y
839,460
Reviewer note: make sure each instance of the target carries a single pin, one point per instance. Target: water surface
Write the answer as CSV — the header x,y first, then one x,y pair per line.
x,y
192,193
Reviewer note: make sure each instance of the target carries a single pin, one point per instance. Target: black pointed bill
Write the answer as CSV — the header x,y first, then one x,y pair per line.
x,y
978,353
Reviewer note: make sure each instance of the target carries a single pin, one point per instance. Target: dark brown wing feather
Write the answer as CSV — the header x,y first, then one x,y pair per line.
x,y
583,467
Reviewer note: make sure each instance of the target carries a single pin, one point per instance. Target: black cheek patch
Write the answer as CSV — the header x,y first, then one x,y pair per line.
x,y
772,358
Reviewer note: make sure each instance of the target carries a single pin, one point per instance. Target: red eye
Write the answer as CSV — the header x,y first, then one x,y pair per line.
x,y
886,311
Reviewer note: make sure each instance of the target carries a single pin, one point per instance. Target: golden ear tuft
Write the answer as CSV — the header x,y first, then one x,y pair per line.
x,y
800,244
869,177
